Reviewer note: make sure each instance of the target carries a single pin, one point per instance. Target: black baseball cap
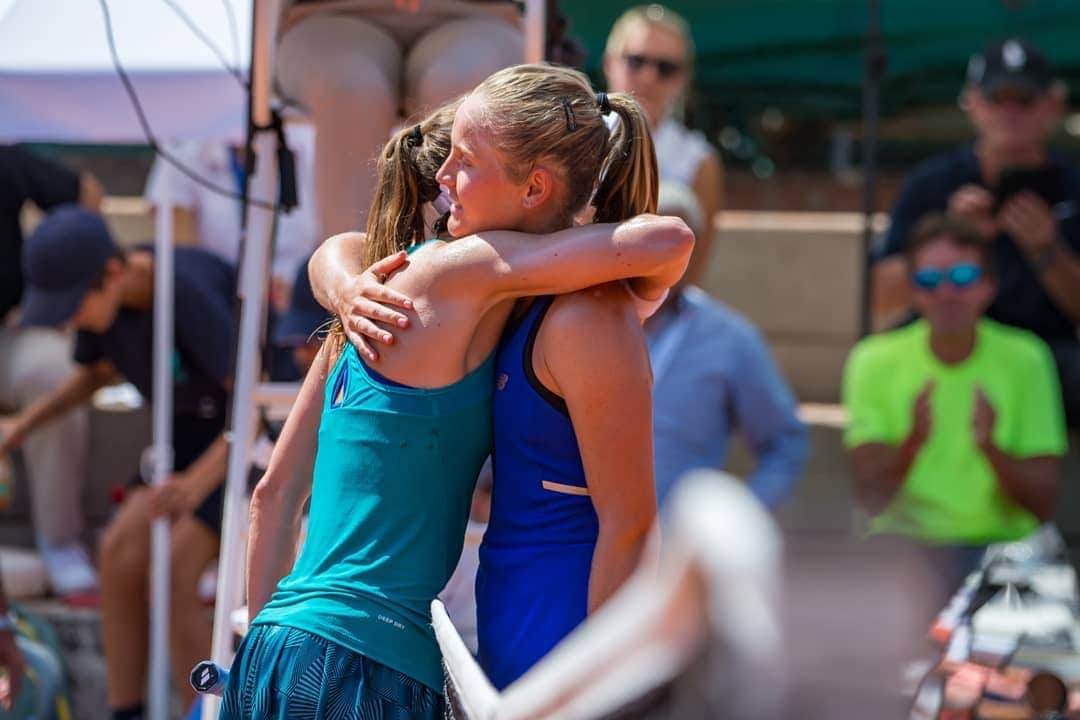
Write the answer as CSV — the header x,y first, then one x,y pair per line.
x,y
304,315
1010,63
62,259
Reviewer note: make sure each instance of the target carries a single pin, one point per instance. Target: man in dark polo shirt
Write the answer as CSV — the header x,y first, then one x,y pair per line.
x,y
76,275
33,361
1014,102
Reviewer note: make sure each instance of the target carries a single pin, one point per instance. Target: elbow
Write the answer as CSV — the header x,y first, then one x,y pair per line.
x,y
678,242
270,494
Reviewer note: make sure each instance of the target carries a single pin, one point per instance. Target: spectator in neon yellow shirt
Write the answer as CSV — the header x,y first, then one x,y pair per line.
x,y
956,423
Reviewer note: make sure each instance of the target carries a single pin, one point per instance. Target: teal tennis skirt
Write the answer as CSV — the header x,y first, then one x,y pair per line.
x,y
282,673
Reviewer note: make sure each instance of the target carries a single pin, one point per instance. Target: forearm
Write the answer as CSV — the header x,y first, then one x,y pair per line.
x,y
208,470
1032,484
76,390
880,471
275,525
503,265
332,264
278,500
615,558
1061,279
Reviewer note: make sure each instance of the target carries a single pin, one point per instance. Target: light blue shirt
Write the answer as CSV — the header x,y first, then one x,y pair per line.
x,y
713,376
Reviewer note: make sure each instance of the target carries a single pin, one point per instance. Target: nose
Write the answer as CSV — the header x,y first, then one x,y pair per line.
x,y
443,176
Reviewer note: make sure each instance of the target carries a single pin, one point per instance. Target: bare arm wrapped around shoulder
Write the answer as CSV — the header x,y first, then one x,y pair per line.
x,y
650,250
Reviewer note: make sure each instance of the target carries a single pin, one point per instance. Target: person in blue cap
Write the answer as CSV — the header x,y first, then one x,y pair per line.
x,y
77,276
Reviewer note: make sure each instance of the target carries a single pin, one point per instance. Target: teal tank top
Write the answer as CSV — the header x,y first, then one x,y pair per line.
x,y
393,482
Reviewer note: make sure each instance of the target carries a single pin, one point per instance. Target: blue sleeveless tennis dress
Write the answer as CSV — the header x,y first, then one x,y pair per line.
x,y
532,586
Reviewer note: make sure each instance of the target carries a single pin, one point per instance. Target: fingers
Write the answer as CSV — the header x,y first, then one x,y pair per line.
x,y
388,296
362,345
375,311
389,264
361,325
971,200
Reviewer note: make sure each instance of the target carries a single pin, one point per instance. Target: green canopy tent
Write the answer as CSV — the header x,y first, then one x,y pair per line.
x,y
806,57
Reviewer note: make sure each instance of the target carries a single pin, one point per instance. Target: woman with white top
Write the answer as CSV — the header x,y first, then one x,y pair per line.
x,y
650,54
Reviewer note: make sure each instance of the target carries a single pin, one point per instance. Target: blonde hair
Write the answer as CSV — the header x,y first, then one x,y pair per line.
x,y
547,113
406,181
654,15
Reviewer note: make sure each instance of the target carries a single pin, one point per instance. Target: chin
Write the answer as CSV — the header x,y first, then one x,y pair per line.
x,y
456,227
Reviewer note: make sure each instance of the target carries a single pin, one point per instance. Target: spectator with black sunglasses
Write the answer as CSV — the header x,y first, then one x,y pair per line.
x,y
956,429
650,54
1023,199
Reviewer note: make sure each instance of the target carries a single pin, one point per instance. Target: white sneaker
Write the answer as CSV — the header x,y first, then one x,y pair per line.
x,y
69,568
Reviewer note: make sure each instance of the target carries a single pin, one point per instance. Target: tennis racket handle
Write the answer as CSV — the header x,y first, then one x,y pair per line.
x,y
209,678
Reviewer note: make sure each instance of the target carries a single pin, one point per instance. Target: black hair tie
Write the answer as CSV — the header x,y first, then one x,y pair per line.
x,y
568,112
416,137
603,103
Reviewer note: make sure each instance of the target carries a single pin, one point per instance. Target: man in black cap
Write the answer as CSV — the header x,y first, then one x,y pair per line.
x,y
76,276
1022,197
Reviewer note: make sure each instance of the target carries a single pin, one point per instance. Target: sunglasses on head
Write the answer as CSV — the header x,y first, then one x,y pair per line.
x,y
961,275
665,69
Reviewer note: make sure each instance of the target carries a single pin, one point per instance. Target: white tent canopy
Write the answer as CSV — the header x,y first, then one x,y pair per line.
x,y
58,82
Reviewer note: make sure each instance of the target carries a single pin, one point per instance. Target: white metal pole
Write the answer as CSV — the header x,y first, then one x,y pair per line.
x,y
161,458
254,268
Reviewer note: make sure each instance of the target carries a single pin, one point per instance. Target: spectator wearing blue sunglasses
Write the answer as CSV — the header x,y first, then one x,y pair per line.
x,y
956,426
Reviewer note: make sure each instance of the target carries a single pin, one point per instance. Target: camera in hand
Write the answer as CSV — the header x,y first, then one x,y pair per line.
x,y
1045,182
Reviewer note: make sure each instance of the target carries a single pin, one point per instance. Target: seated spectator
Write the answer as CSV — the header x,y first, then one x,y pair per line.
x,y
650,54
1014,103
712,377
33,363
956,427
76,275
358,67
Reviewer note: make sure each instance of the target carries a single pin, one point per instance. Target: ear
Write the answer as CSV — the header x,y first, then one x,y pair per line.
x,y
113,267
539,188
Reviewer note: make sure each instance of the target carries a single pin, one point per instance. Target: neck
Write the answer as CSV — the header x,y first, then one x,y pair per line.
x,y
138,282
544,225
953,348
995,158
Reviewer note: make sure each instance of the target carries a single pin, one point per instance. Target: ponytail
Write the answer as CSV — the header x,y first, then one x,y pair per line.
x,y
630,180
406,182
